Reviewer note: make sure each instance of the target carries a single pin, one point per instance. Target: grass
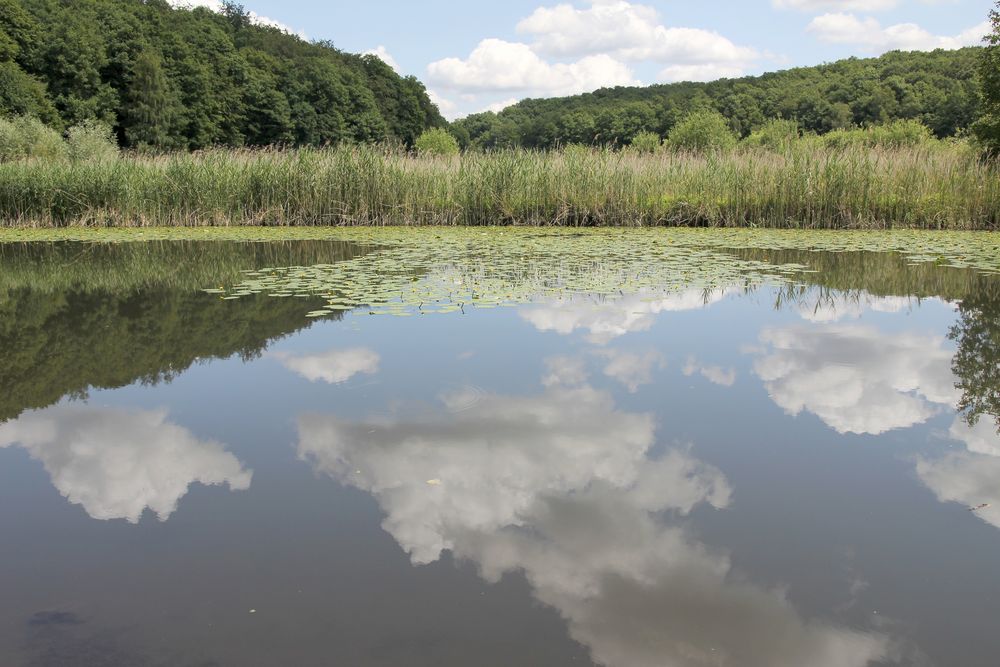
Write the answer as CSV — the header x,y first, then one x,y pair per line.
x,y
933,185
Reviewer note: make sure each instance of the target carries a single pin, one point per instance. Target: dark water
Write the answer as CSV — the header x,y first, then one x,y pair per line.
x,y
751,475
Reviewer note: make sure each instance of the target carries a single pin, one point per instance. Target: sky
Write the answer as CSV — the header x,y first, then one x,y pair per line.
x,y
477,56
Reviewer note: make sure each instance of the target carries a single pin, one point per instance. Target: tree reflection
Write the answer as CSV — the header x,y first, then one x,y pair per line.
x,y
977,360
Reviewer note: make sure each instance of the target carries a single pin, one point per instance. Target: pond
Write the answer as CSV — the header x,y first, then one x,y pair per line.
x,y
499,447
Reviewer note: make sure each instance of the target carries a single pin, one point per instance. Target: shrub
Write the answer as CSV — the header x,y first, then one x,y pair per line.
x,y
776,135
91,141
897,134
702,131
436,141
646,142
27,137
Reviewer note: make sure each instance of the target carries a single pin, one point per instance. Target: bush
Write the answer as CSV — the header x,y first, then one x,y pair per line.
x,y
702,131
646,142
897,134
27,137
775,135
436,141
91,141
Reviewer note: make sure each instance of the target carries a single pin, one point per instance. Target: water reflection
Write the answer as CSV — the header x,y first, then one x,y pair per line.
x,y
724,377
564,487
855,378
333,366
631,369
608,319
115,463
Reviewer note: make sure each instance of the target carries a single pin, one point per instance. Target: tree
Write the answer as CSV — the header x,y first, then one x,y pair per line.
x,y
151,105
987,129
702,131
436,141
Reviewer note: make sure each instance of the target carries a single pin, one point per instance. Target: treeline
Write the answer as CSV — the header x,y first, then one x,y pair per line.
x,y
939,89
172,78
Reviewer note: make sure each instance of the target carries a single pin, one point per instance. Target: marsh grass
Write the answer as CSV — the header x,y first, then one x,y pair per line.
x,y
932,185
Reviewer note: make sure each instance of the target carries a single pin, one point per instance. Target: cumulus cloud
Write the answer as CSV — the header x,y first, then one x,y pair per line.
x,y
216,6
383,54
561,487
844,28
633,32
855,378
115,463
496,65
632,369
607,320
332,367
724,377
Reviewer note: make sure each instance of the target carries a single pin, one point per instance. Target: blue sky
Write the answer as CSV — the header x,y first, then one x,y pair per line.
x,y
476,56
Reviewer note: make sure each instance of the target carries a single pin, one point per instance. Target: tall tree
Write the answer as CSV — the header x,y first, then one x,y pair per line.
x,y
988,126
152,107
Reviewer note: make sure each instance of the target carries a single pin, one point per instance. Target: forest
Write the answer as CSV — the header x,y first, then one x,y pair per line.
x,y
939,88
169,78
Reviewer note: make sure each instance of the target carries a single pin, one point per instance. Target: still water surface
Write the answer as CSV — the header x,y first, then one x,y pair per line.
x,y
753,468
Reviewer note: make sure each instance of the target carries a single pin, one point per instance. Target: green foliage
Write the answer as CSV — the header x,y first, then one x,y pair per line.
x,y
702,131
27,137
777,135
646,142
897,134
152,110
165,77
987,128
92,141
937,88
437,141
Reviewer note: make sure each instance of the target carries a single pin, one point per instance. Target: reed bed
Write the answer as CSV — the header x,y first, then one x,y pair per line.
x,y
931,186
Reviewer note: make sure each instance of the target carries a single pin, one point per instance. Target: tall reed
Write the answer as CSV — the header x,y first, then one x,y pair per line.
x,y
930,185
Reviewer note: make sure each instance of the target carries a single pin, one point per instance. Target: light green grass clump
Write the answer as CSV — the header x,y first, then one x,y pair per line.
x,y
929,185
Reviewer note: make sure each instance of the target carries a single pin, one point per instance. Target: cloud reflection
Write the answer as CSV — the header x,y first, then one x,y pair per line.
x,y
333,366
116,462
606,320
856,378
972,477
631,369
562,487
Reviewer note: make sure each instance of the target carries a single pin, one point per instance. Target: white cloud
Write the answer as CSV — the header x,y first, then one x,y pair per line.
x,y
561,487
724,377
857,379
607,320
843,28
216,6
383,54
116,463
497,65
633,32
497,107
332,367
836,5
447,107
632,369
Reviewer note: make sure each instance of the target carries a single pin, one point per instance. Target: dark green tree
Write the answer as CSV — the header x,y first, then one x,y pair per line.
x,y
152,105
987,129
